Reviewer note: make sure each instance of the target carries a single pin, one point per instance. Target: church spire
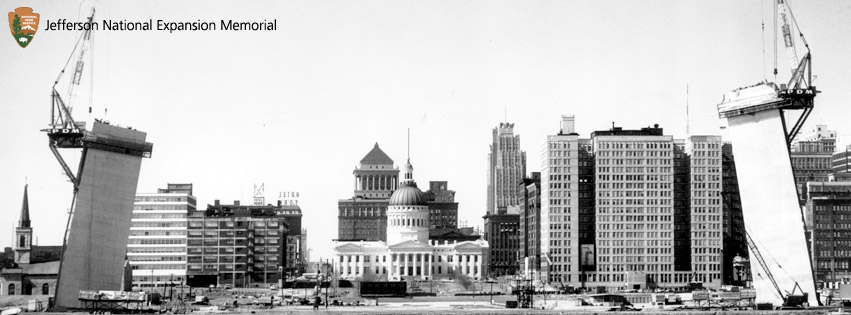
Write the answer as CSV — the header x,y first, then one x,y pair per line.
x,y
25,211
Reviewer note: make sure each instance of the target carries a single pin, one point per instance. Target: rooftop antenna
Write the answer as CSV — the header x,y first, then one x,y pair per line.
x,y
687,121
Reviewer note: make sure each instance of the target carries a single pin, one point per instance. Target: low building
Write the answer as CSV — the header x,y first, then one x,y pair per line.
x,y
240,246
502,232
442,208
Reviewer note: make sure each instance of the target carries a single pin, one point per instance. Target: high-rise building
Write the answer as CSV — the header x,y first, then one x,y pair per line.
x,y
559,209
657,208
506,168
242,246
156,248
364,216
442,208
828,219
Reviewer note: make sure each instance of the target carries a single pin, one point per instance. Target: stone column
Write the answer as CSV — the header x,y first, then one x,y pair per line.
x,y
396,262
405,264
430,266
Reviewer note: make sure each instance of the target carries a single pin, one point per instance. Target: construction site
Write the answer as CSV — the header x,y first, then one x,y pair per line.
x,y
102,161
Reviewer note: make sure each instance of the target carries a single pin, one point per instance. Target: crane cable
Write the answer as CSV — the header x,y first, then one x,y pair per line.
x,y
765,250
762,15
775,43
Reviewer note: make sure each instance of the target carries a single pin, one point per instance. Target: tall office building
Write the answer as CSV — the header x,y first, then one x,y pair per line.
x,y
364,216
559,208
506,168
828,209
639,217
156,248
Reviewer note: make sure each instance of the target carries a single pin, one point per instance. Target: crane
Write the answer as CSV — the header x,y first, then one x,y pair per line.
x,y
64,131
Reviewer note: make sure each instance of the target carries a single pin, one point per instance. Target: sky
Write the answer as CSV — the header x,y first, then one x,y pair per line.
x,y
297,108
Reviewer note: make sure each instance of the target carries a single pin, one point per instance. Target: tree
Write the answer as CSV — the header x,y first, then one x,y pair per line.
x,y
16,25
463,279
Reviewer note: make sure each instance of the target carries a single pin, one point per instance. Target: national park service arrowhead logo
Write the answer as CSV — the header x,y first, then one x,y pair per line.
x,y
23,23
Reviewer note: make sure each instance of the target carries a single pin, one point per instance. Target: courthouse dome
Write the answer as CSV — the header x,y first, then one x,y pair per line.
x,y
408,195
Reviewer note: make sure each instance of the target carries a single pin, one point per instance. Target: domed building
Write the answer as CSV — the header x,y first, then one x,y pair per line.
x,y
408,254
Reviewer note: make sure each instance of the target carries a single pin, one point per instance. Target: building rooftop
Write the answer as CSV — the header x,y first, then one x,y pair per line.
x,y
376,157
619,131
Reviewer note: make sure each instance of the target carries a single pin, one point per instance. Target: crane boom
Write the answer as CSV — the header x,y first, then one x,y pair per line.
x,y
788,41
755,252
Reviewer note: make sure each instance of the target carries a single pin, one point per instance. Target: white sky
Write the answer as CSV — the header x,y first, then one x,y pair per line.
x,y
297,108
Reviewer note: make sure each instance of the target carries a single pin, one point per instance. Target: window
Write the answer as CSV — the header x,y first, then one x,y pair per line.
x,y
11,289
45,289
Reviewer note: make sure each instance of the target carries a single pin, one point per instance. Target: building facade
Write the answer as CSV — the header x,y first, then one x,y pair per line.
x,y
530,225
502,231
408,254
244,246
842,160
156,248
828,209
442,208
364,217
812,158
506,168
657,209
735,242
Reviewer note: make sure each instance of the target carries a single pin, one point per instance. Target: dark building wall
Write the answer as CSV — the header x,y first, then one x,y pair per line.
x,y
362,219
530,220
442,208
502,234
587,210
830,205
682,210
735,242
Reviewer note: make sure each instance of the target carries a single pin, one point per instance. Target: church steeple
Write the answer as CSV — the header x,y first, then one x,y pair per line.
x,y
23,233
24,221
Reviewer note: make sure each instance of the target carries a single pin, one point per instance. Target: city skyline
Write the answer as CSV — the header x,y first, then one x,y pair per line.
x,y
326,94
